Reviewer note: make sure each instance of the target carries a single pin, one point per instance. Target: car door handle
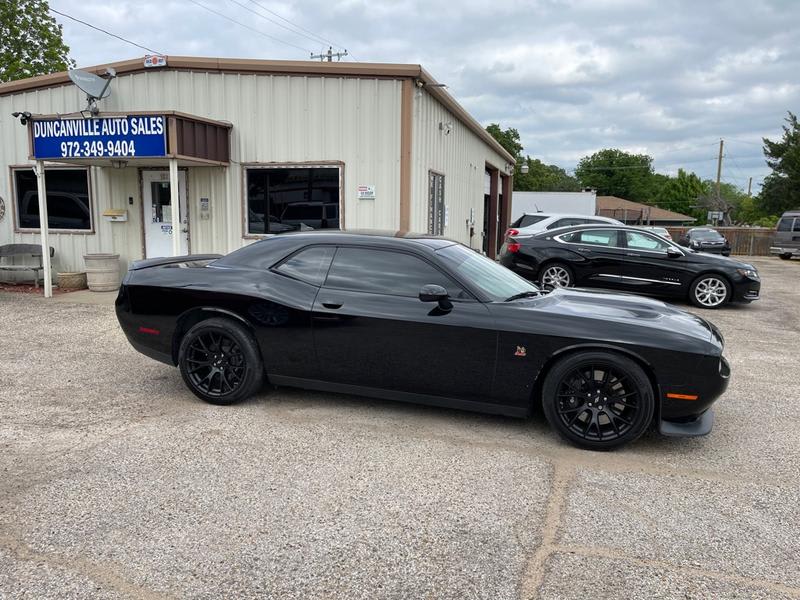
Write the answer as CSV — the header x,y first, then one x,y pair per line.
x,y
632,254
332,305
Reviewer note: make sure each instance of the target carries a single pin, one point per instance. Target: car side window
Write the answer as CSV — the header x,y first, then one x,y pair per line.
x,y
796,225
645,241
386,272
309,265
785,224
567,222
592,237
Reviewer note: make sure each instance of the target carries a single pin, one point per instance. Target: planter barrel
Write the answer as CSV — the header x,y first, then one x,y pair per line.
x,y
102,272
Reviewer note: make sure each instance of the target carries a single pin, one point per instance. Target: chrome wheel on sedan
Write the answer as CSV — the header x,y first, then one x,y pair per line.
x,y
555,275
709,291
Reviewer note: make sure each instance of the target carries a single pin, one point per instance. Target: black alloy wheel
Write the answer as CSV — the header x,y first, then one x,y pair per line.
x,y
598,400
219,362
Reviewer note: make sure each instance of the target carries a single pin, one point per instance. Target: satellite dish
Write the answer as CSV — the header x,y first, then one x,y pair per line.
x,y
96,87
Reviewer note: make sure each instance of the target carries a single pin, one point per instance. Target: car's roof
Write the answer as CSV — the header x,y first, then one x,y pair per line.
x,y
569,228
366,235
549,215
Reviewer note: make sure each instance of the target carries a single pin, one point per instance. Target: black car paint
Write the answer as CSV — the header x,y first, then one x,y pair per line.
x,y
639,271
481,355
705,239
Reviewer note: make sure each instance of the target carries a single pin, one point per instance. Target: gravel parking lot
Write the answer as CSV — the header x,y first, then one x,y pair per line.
x,y
115,482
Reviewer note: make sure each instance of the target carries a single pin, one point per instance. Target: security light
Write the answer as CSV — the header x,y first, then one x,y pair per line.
x,y
24,117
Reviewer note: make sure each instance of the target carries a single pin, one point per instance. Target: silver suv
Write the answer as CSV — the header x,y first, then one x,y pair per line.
x,y
787,236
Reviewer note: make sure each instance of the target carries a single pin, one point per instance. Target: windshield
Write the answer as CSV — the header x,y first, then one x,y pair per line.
x,y
496,282
706,235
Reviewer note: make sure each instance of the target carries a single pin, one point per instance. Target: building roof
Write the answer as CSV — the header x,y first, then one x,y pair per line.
x,y
616,207
277,67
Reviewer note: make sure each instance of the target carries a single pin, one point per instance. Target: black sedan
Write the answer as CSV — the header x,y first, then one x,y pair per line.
x,y
705,239
633,260
424,320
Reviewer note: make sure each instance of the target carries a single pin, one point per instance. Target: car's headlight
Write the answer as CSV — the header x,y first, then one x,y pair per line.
x,y
751,273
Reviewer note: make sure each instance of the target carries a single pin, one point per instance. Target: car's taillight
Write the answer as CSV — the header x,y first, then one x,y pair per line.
x,y
513,247
510,232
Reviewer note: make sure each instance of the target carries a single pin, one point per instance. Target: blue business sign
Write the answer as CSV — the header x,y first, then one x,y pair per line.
x,y
103,137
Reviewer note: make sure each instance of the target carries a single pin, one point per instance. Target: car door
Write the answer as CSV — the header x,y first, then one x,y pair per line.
x,y
602,257
648,268
371,329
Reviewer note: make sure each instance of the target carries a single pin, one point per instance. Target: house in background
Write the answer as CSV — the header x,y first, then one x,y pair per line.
x,y
636,213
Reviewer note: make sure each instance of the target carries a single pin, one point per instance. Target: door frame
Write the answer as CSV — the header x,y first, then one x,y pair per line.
x,y
140,183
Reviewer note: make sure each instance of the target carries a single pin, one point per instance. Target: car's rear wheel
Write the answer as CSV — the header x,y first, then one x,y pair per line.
x,y
555,275
598,400
786,256
219,362
709,291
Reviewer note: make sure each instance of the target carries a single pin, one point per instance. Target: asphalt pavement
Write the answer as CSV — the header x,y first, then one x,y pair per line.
x,y
116,482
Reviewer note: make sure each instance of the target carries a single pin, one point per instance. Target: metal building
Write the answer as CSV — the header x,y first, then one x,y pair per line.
x,y
255,147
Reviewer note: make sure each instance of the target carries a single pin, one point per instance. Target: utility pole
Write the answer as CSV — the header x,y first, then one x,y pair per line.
x,y
719,168
749,186
329,55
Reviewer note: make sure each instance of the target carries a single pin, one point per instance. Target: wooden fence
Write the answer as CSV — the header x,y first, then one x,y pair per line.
x,y
749,241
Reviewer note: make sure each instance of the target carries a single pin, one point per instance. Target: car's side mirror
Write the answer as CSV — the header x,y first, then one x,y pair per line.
x,y
435,293
674,252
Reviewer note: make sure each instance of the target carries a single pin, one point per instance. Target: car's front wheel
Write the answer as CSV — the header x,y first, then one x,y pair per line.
x,y
555,275
709,291
598,400
786,256
219,362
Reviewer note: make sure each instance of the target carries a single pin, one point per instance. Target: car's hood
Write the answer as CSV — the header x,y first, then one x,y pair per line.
x,y
718,260
626,309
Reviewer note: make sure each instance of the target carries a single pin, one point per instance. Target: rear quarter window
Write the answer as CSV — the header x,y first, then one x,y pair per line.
x,y
785,224
310,265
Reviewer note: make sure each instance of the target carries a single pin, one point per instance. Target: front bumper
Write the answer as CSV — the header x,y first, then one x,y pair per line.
x,y
746,290
779,250
702,425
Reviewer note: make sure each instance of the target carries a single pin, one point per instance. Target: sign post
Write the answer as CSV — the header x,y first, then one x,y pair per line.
x,y
41,191
174,200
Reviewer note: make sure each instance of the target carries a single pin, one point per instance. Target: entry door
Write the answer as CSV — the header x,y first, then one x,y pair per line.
x,y
158,213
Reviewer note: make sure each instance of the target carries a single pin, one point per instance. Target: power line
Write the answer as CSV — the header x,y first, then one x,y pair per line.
x,y
266,35
119,37
318,37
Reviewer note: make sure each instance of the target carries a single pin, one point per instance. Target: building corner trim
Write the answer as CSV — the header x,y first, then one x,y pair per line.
x,y
406,128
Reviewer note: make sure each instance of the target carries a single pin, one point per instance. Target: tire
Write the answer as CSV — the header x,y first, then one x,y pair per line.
x,y
220,362
710,291
786,257
598,400
556,274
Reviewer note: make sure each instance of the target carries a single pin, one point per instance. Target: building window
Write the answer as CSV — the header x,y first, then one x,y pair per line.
x,y
288,199
68,203
435,203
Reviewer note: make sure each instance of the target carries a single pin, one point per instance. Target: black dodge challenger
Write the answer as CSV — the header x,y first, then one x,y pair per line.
x,y
424,320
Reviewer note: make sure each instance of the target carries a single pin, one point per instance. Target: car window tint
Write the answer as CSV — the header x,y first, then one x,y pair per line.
x,y
565,223
309,265
386,272
526,220
645,241
785,224
796,225
594,237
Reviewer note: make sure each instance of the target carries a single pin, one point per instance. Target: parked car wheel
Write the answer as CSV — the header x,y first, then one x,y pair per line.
x,y
598,400
555,275
219,362
709,291
786,256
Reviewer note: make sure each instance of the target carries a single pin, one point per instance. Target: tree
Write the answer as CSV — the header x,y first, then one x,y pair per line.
x,y
682,193
544,178
781,189
508,139
31,41
614,172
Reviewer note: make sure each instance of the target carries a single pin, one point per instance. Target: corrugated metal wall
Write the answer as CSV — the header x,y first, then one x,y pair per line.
x,y
461,156
275,119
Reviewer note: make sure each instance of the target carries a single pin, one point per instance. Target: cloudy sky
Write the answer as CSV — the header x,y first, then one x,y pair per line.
x,y
668,78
